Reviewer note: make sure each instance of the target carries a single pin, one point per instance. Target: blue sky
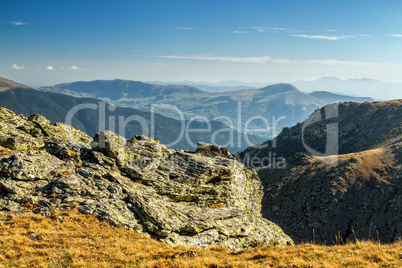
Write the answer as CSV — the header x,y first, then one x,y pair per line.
x,y
47,42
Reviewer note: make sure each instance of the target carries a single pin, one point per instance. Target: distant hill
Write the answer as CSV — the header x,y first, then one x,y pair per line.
x,y
119,89
359,197
330,97
248,105
6,84
55,107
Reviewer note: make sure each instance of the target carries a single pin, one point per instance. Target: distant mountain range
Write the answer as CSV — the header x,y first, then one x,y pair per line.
x,y
27,101
214,87
330,97
240,109
376,89
364,87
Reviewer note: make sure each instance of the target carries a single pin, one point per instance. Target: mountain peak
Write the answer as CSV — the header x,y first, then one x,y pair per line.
x,y
279,88
330,78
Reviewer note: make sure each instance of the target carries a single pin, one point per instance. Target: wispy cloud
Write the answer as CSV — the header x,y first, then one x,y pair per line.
x,y
323,37
264,28
284,61
266,59
17,67
236,31
186,28
16,23
257,28
333,62
71,68
396,35
364,35
276,29
50,68
262,59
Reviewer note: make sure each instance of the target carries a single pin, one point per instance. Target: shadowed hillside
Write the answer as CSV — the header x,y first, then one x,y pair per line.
x,y
357,195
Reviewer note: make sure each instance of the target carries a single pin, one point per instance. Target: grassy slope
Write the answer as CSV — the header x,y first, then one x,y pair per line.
x,y
83,241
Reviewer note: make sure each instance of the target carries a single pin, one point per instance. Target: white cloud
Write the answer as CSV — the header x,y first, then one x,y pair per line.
x,y
240,32
323,37
75,68
396,35
17,67
50,68
18,23
262,59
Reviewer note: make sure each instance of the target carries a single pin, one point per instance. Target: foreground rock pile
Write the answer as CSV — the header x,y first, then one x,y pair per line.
x,y
203,198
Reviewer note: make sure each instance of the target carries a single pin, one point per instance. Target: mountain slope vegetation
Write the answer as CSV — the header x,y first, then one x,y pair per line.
x,y
71,239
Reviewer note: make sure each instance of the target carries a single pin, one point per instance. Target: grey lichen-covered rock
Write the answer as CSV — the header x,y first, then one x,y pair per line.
x,y
203,198
212,150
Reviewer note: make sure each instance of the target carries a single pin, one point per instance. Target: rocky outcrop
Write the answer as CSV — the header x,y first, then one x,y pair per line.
x,y
203,198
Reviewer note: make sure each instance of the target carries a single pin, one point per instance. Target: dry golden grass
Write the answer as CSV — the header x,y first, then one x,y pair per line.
x,y
5,151
84,241
367,165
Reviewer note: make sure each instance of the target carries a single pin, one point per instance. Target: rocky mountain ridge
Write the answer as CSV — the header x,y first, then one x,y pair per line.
x,y
334,199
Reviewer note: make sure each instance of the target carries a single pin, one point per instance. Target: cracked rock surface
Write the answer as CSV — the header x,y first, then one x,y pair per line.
x,y
202,198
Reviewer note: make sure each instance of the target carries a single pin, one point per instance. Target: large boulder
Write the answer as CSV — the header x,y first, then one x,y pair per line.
x,y
203,198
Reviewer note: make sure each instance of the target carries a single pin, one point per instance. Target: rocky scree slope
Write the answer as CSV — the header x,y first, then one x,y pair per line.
x,y
205,198
360,197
